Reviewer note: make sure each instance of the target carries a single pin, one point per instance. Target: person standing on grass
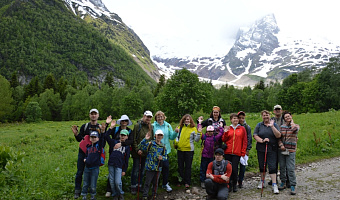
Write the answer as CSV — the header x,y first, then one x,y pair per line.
x,y
169,134
241,116
188,134
235,137
92,162
266,134
218,176
114,132
208,141
139,132
118,161
155,155
287,144
84,139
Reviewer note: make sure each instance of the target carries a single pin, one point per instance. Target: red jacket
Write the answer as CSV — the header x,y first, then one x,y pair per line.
x,y
236,140
217,178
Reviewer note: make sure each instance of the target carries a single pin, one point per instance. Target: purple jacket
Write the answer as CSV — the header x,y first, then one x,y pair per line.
x,y
208,149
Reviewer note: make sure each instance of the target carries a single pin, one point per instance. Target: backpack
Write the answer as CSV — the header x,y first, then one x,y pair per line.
x,y
102,154
102,157
177,138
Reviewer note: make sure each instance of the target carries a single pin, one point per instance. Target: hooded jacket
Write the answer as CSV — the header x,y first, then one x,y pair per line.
x,y
236,140
169,134
208,149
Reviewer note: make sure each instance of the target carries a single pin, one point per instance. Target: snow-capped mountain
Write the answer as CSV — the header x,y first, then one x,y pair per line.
x,y
259,51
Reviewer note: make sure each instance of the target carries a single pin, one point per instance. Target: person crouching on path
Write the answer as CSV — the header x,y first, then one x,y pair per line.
x,y
156,154
218,175
118,162
209,141
92,162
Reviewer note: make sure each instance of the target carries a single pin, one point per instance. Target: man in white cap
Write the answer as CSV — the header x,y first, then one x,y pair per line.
x,y
84,139
278,115
139,132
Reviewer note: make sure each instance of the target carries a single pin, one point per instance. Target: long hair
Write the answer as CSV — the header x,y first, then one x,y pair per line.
x,y
192,123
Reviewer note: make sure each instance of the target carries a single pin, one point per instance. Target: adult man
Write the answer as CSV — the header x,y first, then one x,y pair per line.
x,y
83,138
140,129
218,175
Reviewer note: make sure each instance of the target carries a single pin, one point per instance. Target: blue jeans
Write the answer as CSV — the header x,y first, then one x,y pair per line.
x,y
203,169
137,171
80,171
241,172
115,177
287,166
90,180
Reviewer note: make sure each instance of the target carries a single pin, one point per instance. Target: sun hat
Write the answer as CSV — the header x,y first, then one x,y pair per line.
x,y
122,118
210,128
94,110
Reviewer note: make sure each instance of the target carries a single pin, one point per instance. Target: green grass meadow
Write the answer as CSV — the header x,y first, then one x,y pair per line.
x,y
39,160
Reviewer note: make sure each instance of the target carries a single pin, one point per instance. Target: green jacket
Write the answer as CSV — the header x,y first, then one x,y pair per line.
x,y
139,131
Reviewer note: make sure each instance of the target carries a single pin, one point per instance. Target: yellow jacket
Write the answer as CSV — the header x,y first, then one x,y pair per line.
x,y
186,138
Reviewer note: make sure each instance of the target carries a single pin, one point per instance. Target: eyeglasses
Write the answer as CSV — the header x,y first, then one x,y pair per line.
x,y
125,121
149,116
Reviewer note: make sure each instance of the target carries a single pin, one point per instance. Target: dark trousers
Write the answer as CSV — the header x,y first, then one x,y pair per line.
x,y
271,161
151,177
203,169
219,190
234,159
165,171
184,159
137,172
80,171
241,172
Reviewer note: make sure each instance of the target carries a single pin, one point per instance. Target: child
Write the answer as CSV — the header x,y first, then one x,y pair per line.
x,y
92,161
118,162
209,140
156,153
188,134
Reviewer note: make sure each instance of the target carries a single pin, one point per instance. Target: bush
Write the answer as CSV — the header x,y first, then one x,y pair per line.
x,y
33,112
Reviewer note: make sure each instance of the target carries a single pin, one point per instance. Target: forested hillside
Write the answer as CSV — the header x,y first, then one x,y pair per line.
x,y
40,37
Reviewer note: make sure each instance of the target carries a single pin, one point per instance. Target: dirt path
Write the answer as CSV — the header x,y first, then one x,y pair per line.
x,y
318,180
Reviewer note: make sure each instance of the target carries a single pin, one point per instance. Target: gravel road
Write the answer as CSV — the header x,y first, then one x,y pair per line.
x,y
317,180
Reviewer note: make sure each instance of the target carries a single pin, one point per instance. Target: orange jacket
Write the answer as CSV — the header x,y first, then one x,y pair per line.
x,y
236,141
217,178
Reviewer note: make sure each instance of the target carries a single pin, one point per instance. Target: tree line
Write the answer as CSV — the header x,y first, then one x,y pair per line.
x,y
56,100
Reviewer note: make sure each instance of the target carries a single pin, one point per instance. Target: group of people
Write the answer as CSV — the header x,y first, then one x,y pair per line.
x,y
225,151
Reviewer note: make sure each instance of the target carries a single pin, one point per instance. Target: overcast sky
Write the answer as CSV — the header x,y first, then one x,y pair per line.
x,y
208,28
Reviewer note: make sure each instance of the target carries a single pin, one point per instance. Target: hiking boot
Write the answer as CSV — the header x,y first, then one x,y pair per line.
x,y
93,197
202,185
133,190
260,185
240,184
292,190
167,187
282,186
234,188
275,189
107,194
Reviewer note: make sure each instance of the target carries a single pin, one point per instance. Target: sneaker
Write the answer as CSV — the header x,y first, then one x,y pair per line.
x,y
282,186
107,194
167,187
133,190
260,185
275,189
292,190
187,186
240,184
202,185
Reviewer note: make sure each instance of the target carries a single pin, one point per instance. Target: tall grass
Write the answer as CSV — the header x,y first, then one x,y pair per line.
x,y
49,155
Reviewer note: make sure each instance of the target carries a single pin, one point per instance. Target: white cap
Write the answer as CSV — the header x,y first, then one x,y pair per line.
x,y
94,110
148,113
277,107
159,132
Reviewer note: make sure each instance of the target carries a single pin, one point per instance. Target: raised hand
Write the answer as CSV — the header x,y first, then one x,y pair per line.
x,y
221,124
199,129
102,128
226,128
74,129
200,119
113,124
271,123
109,119
148,135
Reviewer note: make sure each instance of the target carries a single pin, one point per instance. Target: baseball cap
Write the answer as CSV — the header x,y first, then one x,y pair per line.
x,y
124,132
220,151
210,128
277,107
241,113
159,132
94,134
148,113
94,110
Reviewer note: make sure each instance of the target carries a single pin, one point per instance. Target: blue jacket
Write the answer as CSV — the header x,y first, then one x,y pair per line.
x,y
118,157
93,155
169,134
153,150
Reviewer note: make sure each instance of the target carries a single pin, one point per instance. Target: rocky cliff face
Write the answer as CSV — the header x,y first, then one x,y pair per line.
x,y
259,52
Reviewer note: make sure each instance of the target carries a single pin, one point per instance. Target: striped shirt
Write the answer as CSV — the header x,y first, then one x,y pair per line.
x,y
289,136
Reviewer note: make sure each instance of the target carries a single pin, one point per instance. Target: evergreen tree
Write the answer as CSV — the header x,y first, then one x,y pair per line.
x,y
160,85
6,99
50,82
14,80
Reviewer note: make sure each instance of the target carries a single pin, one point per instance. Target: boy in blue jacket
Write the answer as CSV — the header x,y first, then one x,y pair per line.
x,y
118,163
93,160
156,153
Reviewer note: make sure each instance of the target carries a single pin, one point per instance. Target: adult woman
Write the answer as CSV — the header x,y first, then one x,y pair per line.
x,y
266,134
214,119
287,144
169,134
235,137
185,150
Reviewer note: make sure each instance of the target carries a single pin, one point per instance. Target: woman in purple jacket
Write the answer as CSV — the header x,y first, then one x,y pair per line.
x,y
208,140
